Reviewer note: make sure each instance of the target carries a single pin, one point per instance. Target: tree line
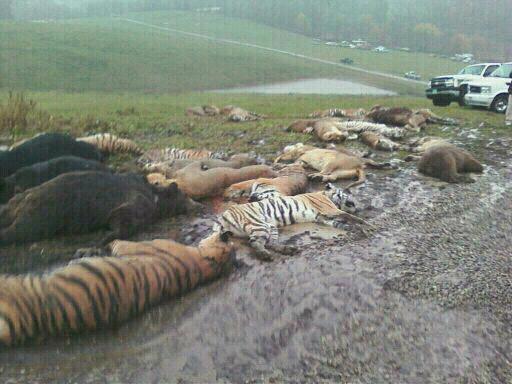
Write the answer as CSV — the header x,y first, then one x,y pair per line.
x,y
483,27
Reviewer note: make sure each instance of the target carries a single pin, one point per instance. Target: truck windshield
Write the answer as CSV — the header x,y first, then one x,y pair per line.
x,y
472,70
504,71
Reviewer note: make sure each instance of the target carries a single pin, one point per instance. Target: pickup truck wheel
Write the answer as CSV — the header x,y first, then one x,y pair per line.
x,y
441,101
500,103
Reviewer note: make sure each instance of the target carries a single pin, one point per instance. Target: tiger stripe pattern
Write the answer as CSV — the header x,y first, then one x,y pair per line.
x,y
261,191
338,112
259,221
111,144
332,112
292,180
170,154
363,126
102,292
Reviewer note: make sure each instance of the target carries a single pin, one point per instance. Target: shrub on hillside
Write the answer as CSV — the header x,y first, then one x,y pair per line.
x,y
20,114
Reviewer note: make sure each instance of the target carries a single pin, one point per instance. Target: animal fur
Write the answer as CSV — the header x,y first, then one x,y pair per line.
x,y
406,117
22,141
109,144
357,113
432,118
44,147
398,116
36,174
328,130
204,110
82,202
169,168
364,126
198,183
420,145
333,112
337,112
447,162
290,181
259,221
376,141
236,114
302,126
159,179
154,156
292,152
103,292
333,165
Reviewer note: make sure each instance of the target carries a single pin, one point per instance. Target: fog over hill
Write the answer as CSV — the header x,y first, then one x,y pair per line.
x,y
439,26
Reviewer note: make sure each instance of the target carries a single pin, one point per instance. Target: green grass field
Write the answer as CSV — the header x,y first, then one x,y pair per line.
x,y
396,62
96,75
111,55
159,120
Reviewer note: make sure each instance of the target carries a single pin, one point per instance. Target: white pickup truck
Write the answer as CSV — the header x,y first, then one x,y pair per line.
x,y
442,90
491,92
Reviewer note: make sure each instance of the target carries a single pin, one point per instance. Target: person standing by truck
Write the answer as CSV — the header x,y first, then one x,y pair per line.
x,y
508,116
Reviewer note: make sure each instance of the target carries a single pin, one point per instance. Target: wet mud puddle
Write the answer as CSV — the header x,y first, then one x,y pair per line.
x,y
425,298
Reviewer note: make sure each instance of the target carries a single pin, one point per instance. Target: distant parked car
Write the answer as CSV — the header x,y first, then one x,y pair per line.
x,y
492,91
331,43
361,44
442,90
412,75
380,49
347,60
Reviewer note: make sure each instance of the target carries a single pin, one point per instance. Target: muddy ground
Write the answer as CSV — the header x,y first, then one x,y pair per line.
x,y
426,298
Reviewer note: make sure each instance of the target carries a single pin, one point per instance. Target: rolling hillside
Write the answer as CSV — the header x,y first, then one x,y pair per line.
x,y
106,55
217,25
111,55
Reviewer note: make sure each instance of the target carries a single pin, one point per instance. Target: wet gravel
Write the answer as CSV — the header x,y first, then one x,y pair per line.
x,y
425,298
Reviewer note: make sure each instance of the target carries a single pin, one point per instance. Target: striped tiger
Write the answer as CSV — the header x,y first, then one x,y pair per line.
x,y
169,154
333,112
236,114
259,221
292,180
337,112
110,144
101,292
363,126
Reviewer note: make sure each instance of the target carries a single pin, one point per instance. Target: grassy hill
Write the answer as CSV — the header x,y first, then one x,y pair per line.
x,y
111,55
106,55
396,62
